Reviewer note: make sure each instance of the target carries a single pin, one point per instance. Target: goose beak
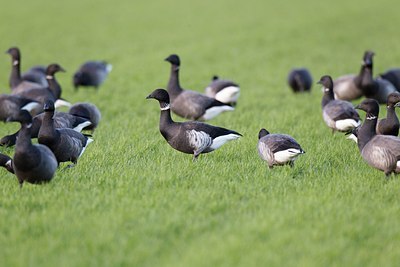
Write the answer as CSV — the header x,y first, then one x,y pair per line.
x,y
62,69
149,97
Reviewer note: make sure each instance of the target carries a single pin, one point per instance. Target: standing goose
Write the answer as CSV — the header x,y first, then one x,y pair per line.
x,y
379,151
225,91
16,81
392,76
32,163
189,104
6,162
278,149
61,120
91,73
339,115
11,106
390,125
66,144
190,137
300,80
87,111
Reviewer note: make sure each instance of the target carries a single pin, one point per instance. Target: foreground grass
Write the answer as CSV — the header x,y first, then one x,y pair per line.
x,y
134,201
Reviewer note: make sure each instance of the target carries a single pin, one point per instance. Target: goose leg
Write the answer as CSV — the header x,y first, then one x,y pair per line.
x,y
291,164
69,166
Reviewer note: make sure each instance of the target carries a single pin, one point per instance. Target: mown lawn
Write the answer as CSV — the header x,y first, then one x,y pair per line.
x,y
134,201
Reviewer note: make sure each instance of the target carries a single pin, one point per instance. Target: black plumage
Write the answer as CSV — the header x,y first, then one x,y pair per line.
x,y
6,162
190,104
300,80
11,106
390,125
190,137
91,73
392,76
88,111
36,74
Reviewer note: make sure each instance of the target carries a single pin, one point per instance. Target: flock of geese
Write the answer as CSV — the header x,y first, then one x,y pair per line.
x,y
36,94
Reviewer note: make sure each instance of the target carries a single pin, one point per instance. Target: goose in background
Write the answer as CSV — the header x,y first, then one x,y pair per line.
x,y
190,104
87,111
189,137
36,74
390,125
225,91
91,73
339,115
278,149
11,106
300,80
392,76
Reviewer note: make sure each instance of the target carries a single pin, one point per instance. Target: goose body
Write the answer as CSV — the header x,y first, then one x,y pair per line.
x,y
225,91
390,125
91,73
32,163
37,75
338,115
190,137
392,76
6,162
379,151
278,149
87,111
190,104
300,80
11,105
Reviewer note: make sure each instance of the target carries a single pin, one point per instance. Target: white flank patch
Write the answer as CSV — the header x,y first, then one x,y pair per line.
x,y
109,68
347,124
353,137
228,94
9,163
397,164
80,127
220,140
287,155
30,106
215,111
89,140
61,103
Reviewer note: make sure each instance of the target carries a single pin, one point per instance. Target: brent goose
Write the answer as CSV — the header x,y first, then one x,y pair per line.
x,y
61,120
189,104
16,81
393,76
339,115
91,73
379,151
11,106
278,149
32,163
190,137
36,74
300,80
6,162
225,91
88,111
66,144
390,125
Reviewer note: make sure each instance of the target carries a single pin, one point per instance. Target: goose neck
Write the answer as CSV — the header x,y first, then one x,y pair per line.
x,y
174,87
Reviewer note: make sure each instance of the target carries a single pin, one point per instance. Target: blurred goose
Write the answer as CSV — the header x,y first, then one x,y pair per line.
x,y
65,143
6,162
379,151
390,124
61,120
16,81
88,111
91,73
300,80
11,106
392,76
339,115
225,91
36,74
190,137
32,163
189,104
278,149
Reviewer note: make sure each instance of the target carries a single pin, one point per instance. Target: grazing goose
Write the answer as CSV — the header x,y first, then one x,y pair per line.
x,y
390,125
225,91
91,73
87,111
190,137
189,104
11,106
61,120
6,162
66,144
32,163
278,149
392,76
339,115
300,80
36,74
16,81
379,151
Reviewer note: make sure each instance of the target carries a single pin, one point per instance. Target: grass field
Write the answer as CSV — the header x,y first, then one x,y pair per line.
x,y
134,201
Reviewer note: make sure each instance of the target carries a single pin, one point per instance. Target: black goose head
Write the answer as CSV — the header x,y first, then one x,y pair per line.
x,y
393,99
53,68
327,83
367,59
263,132
159,94
370,106
24,117
14,53
174,60
215,77
49,106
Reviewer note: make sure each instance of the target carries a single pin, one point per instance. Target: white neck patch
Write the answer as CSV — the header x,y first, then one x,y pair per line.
x,y
371,118
49,77
15,62
165,107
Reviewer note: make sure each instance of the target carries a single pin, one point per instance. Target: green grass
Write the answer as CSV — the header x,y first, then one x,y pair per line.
x,y
134,201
